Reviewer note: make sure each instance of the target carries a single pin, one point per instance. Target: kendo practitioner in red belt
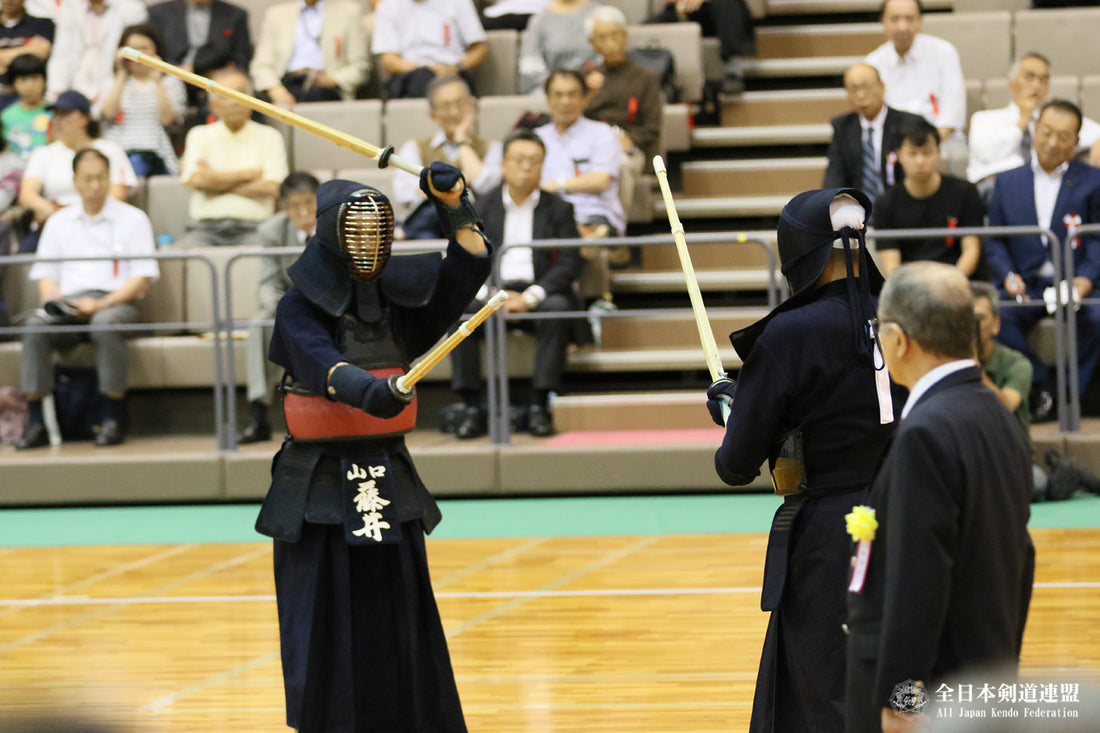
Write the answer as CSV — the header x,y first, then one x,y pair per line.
x,y
363,648
813,398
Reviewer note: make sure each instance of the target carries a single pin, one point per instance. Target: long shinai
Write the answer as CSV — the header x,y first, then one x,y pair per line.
x,y
706,335
384,156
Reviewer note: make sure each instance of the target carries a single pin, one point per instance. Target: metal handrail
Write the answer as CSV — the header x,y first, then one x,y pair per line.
x,y
495,345
1068,247
215,325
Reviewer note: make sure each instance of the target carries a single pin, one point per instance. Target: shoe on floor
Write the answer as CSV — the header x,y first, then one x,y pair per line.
x,y
34,436
540,422
472,425
110,433
254,432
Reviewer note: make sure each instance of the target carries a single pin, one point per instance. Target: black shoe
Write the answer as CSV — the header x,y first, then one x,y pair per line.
x,y
472,425
254,432
110,433
34,436
733,80
540,422
1043,408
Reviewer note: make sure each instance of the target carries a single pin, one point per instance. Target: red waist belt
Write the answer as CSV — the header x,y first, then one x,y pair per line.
x,y
312,417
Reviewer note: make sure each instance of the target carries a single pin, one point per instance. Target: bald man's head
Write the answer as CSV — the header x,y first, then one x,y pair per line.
x,y
865,90
933,304
232,113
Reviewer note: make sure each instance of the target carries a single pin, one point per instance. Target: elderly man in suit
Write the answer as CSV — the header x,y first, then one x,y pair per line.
x,y
311,51
185,26
515,213
941,585
1054,191
863,151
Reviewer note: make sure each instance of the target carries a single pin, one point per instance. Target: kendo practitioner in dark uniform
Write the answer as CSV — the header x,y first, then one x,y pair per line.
x,y
814,400
363,647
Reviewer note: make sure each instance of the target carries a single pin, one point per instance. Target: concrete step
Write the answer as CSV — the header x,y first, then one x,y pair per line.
x,y
733,136
827,7
709,207
818,40
747,255
785,68
784,107
770,176
675,331
635,411
592,360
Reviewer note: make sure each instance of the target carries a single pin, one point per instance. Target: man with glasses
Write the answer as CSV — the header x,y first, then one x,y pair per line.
x,y
1052,190
942,585
814,401
1000,139
863,151
454,109
515,213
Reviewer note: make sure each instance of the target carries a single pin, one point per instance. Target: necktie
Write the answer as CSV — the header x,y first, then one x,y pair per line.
x,y
1025,145
870,178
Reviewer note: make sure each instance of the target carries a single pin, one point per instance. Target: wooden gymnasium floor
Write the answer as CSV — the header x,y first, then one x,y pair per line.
x,y
552,625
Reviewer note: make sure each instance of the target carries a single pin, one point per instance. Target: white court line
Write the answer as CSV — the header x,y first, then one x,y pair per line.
x,y
457,595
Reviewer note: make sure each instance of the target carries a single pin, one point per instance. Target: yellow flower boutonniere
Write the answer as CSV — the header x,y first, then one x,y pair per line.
x,y
861,523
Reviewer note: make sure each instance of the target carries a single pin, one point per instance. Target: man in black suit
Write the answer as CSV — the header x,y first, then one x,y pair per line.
x,y
868,134
536,279
943,585
185,26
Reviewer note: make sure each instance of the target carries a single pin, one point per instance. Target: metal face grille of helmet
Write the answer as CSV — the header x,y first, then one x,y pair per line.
x,y
365,231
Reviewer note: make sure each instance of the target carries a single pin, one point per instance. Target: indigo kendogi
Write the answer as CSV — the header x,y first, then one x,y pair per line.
x,y
363,647
814,402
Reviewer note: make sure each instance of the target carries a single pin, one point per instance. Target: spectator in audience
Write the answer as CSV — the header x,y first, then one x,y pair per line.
x,y
185,26
730,21
88,32
419,40
515,213
1000,139
1005,371
48,178
625,95
509,14
1053,191
582,158
453,108
923,75
26,123
863,151
141,103
928,199
291,227
102,293
20,34
311,51
235,166
556,39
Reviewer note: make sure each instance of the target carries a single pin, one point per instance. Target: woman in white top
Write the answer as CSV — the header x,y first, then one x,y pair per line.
x,y
140,103
48,178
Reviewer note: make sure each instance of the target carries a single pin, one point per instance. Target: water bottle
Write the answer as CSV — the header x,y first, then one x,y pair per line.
x,y
164,241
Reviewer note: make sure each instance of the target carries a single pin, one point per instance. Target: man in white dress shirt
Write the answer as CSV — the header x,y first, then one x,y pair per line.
x,y
101,292
923,75
1000,139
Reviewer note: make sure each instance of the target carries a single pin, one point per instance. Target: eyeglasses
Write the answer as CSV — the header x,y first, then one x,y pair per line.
x,y
524,160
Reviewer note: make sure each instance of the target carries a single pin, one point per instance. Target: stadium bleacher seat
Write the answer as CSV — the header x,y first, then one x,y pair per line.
x,y
361,118
1062,35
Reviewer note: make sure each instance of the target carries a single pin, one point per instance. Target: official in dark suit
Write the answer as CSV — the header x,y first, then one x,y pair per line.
x,y
536,279
848,150
810,400
946,584
1068,192
176,20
